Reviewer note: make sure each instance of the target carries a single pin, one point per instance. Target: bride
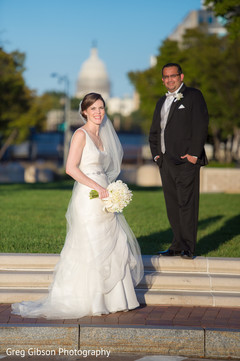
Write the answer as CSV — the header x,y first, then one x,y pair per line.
x,y
100,262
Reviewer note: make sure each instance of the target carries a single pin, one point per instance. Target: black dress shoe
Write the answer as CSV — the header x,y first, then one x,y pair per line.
x,y
169,253
187,254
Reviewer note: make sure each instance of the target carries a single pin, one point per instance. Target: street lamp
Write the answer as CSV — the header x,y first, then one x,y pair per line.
x,y
67,108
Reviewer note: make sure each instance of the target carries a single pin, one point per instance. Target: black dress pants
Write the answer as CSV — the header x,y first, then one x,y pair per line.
x,y
181,192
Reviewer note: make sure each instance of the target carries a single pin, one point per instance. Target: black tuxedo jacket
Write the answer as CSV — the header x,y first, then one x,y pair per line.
x,y
186,129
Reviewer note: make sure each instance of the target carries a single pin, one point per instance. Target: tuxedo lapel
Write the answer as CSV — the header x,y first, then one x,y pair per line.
x,y
175,103
171,111
162,102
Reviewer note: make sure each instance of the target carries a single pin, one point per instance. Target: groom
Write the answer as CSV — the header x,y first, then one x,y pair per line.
x,y
177,136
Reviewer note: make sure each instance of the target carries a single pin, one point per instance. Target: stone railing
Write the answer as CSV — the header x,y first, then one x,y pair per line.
x,y
211,179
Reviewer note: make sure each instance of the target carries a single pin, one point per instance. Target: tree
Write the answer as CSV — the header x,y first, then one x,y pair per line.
x,y
230,95
20,108
203,68
211,64
148,83
230,11
15,96
35,117
75,103
217,73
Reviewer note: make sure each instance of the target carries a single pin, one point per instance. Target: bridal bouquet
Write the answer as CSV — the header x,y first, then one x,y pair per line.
x,y
119,197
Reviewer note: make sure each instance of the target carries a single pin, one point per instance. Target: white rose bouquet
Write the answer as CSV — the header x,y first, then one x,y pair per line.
x,y
119,197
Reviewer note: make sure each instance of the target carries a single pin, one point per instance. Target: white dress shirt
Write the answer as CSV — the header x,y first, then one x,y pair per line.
x,y
164,114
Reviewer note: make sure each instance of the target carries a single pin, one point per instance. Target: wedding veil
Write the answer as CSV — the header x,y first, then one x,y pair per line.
x,y
113,147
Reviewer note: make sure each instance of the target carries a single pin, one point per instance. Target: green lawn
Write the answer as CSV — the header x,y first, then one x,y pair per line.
x,y
33,220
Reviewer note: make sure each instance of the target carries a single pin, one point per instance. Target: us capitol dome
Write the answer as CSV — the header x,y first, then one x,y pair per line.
x,y
93,77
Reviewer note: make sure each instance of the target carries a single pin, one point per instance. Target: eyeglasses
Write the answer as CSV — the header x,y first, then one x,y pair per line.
x,y
173,76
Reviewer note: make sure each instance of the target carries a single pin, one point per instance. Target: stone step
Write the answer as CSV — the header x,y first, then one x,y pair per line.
x,y
11,295
190,281
151,280
209,265
193,298
23,261
149,297
172,281
25,278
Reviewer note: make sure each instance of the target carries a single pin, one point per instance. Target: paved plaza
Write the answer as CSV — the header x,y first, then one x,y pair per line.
x,y
193,316
148,333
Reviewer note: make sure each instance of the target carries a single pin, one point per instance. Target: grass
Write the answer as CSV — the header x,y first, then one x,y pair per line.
x,y
32,220
215,164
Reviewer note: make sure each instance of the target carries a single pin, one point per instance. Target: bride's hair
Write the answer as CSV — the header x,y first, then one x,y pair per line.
x,y
88,100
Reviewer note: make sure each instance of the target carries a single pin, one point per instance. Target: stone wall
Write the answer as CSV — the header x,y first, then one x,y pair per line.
x,y
211,179
220,180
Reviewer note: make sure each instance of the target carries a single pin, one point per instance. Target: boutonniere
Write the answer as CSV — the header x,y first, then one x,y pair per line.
x,y
179,96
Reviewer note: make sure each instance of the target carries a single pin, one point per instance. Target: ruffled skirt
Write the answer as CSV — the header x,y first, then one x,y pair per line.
x,y
99,265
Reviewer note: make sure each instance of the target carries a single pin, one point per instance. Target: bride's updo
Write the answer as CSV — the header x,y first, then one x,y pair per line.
x,y
88,100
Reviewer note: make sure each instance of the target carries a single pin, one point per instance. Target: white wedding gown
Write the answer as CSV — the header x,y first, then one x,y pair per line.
x,y
100,262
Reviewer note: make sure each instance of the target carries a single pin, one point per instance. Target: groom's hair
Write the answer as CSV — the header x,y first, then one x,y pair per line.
x,y
168,65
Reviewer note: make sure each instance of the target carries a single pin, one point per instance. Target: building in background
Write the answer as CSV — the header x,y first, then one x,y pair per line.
x,y
56,118
93,77
196,18
124,106
204,18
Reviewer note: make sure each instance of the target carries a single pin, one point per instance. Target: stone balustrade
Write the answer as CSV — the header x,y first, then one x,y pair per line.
x,y
225,180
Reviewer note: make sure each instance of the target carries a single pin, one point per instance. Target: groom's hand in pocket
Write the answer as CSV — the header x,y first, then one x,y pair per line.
x,y
191,158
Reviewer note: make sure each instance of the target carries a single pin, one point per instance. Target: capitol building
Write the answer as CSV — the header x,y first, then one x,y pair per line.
x,y
93,77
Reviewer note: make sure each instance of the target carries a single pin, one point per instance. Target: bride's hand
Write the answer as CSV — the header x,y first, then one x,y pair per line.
x,y
103,192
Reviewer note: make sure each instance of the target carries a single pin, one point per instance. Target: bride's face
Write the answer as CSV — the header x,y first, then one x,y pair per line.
x,y
95,113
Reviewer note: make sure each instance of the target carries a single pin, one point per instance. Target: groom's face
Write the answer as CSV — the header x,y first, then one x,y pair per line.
x,y
172,79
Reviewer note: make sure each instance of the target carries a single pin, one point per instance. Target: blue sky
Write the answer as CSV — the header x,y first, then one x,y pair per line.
x,y
57,35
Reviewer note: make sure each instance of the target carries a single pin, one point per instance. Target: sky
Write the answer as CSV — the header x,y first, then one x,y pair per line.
x,y
57,36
